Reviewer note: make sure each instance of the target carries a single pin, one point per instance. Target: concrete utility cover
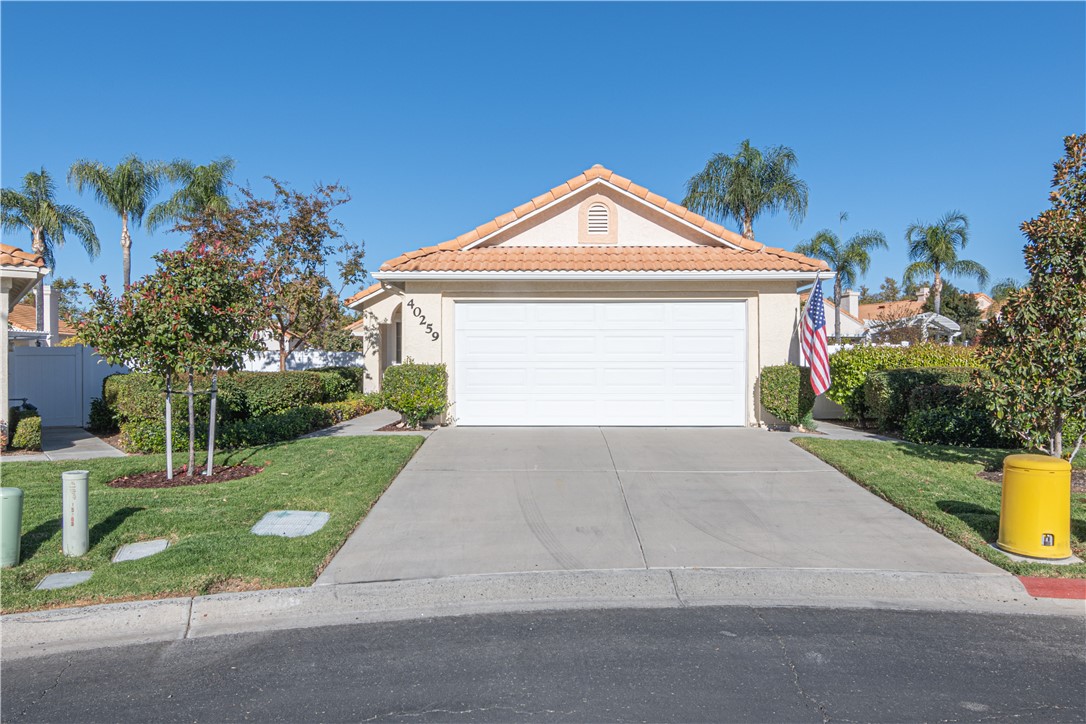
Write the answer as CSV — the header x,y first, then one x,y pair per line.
x,y
63,580
135,551
290,523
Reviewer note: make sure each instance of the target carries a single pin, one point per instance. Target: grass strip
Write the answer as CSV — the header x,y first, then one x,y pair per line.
x,y
939,486
211,549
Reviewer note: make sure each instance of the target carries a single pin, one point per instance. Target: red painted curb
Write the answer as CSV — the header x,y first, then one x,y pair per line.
x,y
1055,587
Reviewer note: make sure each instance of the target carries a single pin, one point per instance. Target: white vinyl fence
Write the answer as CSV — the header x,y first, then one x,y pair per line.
x,y
59,381
305,359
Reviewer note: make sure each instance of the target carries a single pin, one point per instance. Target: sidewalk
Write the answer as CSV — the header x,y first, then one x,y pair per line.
x,y
833,431
54,631
366,425
66,443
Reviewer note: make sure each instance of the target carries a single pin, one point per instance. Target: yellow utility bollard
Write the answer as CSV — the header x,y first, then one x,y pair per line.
x,y
1035,509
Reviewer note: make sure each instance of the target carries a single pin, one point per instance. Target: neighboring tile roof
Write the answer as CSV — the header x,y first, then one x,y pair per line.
x,y
607,258
891,310
830,305
14,256
364,293
25,317
538,258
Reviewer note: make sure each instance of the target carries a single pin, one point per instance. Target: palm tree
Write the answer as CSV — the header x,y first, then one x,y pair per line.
x,y
1002,290
934,251
747,185
127,189
35,209
203,190
851,260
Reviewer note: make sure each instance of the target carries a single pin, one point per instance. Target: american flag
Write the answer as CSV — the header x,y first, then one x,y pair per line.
x,y
812,341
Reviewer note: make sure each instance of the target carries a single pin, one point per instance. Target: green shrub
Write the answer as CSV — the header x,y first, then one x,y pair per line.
x,y
146,436
787,395
26,434
356,407
101,419
962,426
929,397
886,393
340,383
269,429
416,391
255,394
849,368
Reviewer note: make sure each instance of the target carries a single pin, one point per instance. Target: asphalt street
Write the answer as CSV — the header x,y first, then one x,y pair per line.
x,y
694,664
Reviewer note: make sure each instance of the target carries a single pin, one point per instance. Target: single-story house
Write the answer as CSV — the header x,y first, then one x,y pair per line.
x,y
23,323
20,272
595,303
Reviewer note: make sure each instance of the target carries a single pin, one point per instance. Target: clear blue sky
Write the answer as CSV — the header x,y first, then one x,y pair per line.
x,y
440,117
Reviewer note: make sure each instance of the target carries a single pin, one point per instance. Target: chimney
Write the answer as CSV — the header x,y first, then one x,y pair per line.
x,y
922,295
850,302
52,326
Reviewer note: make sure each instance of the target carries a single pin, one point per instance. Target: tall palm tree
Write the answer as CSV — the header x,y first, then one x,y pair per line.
x,y
934,251
203,188
34,208
127,189
1002,290
851,260
747,185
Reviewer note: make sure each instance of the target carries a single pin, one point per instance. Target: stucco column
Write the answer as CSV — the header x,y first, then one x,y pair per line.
x,y
5,286
52,316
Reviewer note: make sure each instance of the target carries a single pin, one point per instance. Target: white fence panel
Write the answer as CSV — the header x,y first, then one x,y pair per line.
x,y
59,381
306,359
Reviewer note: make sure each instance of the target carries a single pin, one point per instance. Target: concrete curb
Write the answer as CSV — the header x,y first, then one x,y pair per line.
x,y
74,629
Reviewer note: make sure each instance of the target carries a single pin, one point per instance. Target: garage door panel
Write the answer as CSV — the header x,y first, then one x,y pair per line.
x,y
600,363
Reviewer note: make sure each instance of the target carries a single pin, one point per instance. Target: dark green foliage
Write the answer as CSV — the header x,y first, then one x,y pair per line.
x,y
962,426
960,307
341,382
101,419
25,429
849,368
787,394
254,408
416,391
928,397
886,393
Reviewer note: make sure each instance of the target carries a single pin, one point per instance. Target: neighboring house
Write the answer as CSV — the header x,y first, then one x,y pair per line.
x,y
20,272
23,319
984,304
596,303
851,325
894,311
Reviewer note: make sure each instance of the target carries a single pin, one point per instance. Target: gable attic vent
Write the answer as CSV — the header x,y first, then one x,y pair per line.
x,y
598,219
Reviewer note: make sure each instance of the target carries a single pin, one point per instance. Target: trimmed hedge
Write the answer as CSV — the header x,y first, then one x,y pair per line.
x,y
886,393
787,395
849,368
101,420
416,391
253,407
929,397
959,426
25,429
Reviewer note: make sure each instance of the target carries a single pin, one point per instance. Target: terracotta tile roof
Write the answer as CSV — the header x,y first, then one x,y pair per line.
x,y
14,256
25,318
607,258
540,256
364,293
891,310
830,305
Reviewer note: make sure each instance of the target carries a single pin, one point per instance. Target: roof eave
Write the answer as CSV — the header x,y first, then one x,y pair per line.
x,y
797,276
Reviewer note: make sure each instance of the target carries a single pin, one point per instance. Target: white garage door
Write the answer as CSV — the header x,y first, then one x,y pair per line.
x,y
600,363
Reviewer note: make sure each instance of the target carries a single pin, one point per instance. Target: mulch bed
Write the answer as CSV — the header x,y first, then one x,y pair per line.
x,y
1078,478
157,478
398,427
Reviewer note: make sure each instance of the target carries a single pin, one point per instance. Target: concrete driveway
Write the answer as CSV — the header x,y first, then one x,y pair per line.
x,y
490,500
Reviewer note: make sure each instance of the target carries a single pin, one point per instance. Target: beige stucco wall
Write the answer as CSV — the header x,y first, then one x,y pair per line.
x,y
637,224
378,316
772,312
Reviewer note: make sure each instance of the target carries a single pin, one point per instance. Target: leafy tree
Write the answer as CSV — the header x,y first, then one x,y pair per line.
x,y
127,189
34,208
747,185
850,260
203,189
959,306
934,251
335,336
193,315
866,297
1004,289
296,238
1036,349
888,291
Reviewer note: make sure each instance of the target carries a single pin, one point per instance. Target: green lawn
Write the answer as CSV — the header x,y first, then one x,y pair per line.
x,y
939,487
208,525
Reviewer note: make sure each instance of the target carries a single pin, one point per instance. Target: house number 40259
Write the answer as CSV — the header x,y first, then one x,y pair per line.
x,y
416,312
